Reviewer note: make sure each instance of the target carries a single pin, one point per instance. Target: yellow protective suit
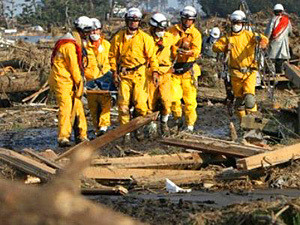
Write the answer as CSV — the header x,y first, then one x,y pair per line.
x,y
99,105
127,53
65,76
242,56
164,90
184,85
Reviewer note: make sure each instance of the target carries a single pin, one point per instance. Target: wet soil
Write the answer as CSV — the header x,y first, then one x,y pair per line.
x,y
35,127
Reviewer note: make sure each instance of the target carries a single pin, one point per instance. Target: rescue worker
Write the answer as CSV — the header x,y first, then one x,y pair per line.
x,y
208,42
67,82
131,48
163,92
187,49
97,52
278,31
240,44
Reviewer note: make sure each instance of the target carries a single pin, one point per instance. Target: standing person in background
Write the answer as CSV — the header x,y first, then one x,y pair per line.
x,y
187,48
131,49
97,52
67,82
239,46
163,91
278,31
208,43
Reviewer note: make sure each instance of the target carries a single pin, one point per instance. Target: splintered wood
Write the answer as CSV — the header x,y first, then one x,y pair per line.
x,y
112,135
26,164
156,161
216,146
271,158
149,177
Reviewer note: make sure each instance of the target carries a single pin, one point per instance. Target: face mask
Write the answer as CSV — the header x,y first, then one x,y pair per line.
x,y
95,37
160,34
237,28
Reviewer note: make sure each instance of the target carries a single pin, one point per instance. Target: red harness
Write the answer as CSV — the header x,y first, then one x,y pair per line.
x,y
78,50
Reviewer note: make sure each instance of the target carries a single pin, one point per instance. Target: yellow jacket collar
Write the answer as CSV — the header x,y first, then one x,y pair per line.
x,y
187,31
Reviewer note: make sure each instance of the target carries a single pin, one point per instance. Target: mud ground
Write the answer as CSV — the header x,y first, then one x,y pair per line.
x,y
244,201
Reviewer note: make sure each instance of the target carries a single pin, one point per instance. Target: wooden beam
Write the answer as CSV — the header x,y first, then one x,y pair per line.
x,y
214,146
20,82
100,92
292,72
271,158
105,190
263,124
26,164
112,135
148,161
148,177
42,159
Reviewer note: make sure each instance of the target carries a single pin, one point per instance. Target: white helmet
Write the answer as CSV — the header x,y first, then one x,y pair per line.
x,y
278,7
188,12
159,20
97,23
238,16
215,32
84,23
134,13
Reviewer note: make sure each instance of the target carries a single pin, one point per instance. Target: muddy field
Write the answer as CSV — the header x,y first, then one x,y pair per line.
x,y
249,200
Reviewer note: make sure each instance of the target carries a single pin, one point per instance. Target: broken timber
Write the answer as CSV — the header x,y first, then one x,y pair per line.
x,y
211,145
148,177
148,161
271,158
26,164
293,73
99,92
263,124
42,159
19,82
111,135
118,190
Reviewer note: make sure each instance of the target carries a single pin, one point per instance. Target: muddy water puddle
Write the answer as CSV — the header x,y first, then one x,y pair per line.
x,y
37,139
212,199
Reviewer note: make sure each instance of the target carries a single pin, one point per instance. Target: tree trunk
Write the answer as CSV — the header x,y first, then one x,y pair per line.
x,y
20,82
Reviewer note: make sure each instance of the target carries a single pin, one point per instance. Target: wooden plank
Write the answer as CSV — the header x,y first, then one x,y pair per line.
x,y
42,159
263,124
149,177
111,135
148,161
213,146
292,72
100,92
271,158
119,190
26,164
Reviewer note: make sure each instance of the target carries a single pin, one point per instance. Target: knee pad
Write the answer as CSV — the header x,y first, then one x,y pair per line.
x,y
249,101
239,104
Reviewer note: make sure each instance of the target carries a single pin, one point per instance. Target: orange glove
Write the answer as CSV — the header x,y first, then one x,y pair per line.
x,y
263,43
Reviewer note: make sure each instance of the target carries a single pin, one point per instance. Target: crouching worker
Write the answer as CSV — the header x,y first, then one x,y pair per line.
x,y
161,89
131,49
67,82
97,52
240,44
